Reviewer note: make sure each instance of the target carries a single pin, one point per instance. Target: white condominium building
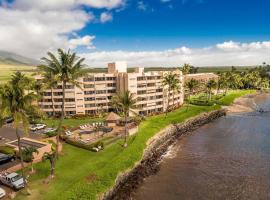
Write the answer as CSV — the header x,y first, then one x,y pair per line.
x,y
97,89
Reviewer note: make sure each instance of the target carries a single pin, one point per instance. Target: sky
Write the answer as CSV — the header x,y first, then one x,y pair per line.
x,y
143,32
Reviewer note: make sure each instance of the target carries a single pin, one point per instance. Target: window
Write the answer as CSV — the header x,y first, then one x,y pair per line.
x,y
99,78
89,98
111,78
111,91
88,79
141,92
89,92
88,85
111,84
91,105
101,92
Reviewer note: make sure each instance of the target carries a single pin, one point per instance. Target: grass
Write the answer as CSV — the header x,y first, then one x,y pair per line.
x,y
71,122
81,174
232,95
8,70
202,98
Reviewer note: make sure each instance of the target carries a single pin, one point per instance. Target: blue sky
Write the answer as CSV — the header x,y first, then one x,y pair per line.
x,y
177,23
141,32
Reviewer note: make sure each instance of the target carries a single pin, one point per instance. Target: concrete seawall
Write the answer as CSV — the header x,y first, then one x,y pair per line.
x,y
127,182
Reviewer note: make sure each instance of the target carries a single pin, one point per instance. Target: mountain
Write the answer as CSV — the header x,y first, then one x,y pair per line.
x,y
15,59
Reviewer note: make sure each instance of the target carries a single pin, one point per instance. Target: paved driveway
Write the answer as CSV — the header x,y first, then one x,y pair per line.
x,y
8,134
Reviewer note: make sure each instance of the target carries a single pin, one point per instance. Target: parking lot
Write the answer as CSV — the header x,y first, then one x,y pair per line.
x,y
7,133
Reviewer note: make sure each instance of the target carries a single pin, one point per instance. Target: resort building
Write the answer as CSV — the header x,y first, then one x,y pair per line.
x,y
97,89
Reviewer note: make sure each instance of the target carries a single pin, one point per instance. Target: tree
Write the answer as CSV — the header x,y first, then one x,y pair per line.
x,y
191,86
28,155
50,156
50,81
18,104
186,68
175,87
126,103
169,80
66,68
211,84
221,82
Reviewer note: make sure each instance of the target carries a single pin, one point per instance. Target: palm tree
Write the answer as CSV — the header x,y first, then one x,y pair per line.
x,y
175,88
186,68
50,156
28,155
191,86
169,80
50,81
211,84
126,103
18,104
66,68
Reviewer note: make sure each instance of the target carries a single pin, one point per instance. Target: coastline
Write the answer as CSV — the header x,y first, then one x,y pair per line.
x,y
127,182
157,146
242,104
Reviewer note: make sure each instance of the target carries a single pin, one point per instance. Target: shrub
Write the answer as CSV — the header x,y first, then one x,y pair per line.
x,y
82,145
51,133
7,150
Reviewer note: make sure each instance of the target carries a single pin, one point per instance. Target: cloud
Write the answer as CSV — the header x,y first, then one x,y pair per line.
x,y
141,6
109,4
165,1
86,41
33,27
105,17
223,54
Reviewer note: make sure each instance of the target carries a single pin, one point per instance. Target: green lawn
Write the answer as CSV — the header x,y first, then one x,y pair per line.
x,y
232,95
8,70
81,174
71,122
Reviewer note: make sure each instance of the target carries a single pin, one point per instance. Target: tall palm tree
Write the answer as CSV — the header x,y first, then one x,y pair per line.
x,y
191,86
50,82
18,104
175,88
211,84
28,155
169,80
66,68
126,102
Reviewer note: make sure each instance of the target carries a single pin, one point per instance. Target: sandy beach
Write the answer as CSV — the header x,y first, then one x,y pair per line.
x,y
242,104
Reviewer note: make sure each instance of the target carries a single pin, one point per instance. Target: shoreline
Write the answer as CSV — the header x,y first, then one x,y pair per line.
x,y
127,182
242,104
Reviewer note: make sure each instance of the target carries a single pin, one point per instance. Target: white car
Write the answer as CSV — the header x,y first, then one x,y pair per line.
x,y
36,127
2,193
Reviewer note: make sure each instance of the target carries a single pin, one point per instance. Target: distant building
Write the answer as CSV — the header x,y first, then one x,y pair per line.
x,y
98,89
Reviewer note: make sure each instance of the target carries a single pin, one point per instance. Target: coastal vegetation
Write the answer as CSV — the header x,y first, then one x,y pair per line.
x,y
91,173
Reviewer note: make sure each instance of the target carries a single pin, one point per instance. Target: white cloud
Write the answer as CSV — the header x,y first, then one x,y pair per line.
x,y
86,41
105,17
224,54
33,27
109,4
165,1
141,5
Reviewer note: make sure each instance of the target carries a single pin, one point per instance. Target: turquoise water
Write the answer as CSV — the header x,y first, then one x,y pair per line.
x,y
226,159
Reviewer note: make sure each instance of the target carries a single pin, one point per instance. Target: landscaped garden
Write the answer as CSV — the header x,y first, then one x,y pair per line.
x,y
82,174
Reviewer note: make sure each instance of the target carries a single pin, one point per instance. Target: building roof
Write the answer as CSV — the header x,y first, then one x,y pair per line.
x,y
112,117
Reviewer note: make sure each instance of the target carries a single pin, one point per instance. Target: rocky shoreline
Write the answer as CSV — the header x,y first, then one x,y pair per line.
x,y
127,182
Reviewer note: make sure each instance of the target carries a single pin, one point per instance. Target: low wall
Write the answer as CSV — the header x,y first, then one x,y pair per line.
x,y
157,146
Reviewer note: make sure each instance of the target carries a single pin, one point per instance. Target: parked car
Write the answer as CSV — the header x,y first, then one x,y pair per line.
x,y
12,180
8,120
47,130
5,158
2,193
35,127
